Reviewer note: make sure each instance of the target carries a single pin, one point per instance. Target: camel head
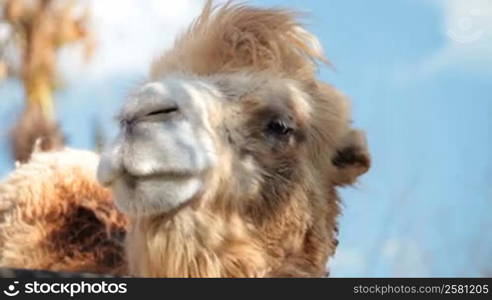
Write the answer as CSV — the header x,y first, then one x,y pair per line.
x,y
182,135
232,121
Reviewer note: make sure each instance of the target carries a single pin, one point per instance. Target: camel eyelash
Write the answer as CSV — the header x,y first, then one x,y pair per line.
x,y
279,127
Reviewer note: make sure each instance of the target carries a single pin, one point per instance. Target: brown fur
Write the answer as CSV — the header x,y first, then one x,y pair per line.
x,y
55,216
269,208
235,37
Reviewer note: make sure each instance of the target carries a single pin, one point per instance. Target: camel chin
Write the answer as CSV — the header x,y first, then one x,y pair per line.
x,y
152,196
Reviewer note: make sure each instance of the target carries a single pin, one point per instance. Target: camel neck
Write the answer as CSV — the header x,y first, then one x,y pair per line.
x,y
193,244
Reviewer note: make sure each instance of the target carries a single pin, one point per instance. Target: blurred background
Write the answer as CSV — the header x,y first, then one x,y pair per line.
x,y
418,72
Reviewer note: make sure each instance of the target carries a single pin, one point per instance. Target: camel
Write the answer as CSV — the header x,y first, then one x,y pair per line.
x,y
226,164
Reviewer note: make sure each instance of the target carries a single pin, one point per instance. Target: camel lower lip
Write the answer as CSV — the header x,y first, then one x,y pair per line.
x,y
150,195
161,176
132,180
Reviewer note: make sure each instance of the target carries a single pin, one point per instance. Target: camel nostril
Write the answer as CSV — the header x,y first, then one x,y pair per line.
x,y
163,111
127,122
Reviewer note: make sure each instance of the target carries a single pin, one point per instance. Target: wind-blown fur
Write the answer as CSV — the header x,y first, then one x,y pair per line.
x,y
235,37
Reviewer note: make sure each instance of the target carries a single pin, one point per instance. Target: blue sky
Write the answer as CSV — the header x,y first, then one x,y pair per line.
x,y
418,73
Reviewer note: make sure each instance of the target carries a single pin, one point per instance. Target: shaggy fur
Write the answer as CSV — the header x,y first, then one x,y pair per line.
x,y
238,38
55,216
268,207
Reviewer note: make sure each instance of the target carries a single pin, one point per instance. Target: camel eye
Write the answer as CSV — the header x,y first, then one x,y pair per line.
x,y
279,128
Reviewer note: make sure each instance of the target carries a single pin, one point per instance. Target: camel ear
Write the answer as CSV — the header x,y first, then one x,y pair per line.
x,y
352,159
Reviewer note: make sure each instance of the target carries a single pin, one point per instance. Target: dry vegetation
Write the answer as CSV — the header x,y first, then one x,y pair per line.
x,y
37,30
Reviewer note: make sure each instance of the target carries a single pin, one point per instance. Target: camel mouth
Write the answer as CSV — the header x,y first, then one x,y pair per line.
x,y
155,194
132,180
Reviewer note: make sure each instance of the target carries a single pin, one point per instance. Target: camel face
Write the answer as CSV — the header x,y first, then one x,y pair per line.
x,y
164,148
181,137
